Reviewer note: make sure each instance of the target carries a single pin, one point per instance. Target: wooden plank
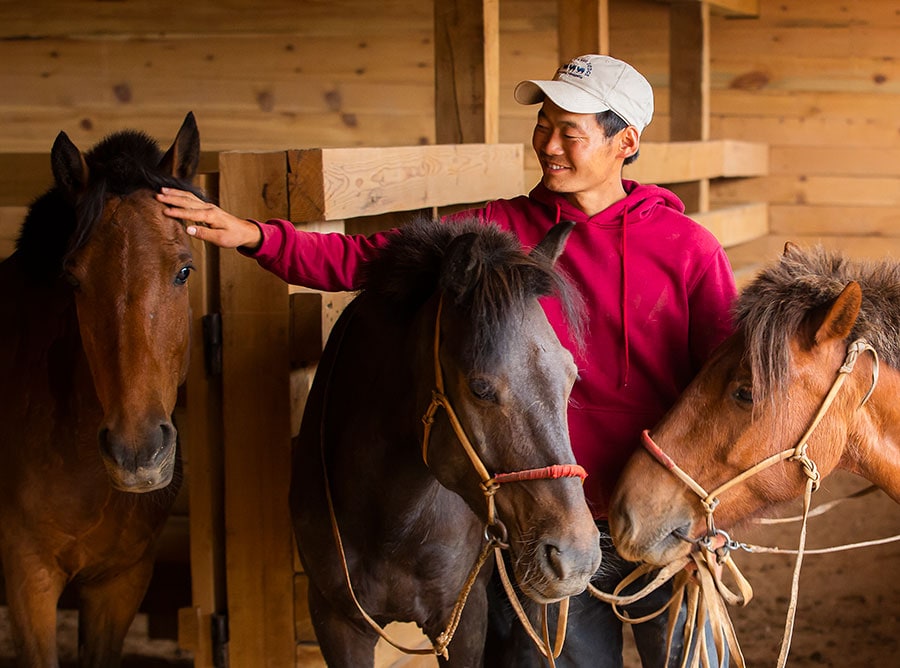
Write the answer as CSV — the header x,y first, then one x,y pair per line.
x,y
675,162
819,130
24,176
62,17
367,181
877,221
736,224
835,160
465,76
204,468
734,8
813,190
256,397
689,88
583,28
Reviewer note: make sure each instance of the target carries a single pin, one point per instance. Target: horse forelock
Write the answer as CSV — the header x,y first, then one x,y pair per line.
x,y
502,277
118,165
772,308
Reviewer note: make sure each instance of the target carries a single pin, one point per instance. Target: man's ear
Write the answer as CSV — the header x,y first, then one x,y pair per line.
x,y
629,142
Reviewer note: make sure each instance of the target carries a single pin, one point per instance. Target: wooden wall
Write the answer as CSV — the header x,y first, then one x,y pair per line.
x,y
818,81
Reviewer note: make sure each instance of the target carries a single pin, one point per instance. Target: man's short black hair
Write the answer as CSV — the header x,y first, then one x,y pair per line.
x,y
612,125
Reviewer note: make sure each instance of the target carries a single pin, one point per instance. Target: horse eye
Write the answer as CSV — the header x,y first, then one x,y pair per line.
x,y
182,276
483,389
743,395
71,280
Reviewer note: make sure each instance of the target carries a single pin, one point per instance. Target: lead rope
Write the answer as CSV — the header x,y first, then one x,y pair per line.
x,y
717,557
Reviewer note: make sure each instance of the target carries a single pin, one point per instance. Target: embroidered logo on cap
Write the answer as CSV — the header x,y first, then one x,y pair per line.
x,y
579,69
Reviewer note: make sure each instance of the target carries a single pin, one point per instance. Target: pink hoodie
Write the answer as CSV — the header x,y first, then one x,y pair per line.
x,y
658,289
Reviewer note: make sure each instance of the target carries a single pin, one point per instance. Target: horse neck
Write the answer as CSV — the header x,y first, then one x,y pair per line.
x,y
874,452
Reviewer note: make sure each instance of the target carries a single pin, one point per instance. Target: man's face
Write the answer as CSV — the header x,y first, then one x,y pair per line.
x,y
575,154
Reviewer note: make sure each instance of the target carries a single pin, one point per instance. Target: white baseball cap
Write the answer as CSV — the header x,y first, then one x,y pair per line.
x,y
591,84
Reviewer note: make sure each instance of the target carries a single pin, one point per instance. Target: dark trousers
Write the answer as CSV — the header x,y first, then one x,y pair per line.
x,y
594,636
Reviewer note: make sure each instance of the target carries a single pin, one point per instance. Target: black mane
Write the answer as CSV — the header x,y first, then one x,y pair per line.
x,y
501,276
771,309
55,226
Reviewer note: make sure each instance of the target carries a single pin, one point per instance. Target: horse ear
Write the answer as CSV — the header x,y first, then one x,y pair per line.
x,y
70,171
841,315
183,156
458,265
552,245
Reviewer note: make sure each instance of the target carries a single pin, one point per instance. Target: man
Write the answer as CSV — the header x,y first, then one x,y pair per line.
x,y
658,289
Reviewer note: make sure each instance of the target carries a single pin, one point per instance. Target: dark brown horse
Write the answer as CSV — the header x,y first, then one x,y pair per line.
x,y
763,394
94,328
449,327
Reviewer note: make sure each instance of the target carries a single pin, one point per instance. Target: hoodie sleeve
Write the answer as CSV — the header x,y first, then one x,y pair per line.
x,y
329,261
711,301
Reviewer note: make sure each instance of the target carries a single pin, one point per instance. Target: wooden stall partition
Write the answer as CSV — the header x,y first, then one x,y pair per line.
x,y
267,327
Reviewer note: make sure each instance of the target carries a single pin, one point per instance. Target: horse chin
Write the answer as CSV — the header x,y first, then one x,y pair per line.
x,y
659,548
142,480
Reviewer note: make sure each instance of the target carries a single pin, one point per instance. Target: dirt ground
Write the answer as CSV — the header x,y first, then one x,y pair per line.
x,y
849,603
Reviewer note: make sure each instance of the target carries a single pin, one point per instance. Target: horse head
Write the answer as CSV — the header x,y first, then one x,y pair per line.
x,y
128,264
776,405
508,378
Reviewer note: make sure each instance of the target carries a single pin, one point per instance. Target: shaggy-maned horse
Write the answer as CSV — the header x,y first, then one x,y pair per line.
x,y
791,384
94,329
440,378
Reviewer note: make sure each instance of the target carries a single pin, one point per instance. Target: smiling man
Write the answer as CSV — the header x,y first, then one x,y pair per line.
x,y
657,288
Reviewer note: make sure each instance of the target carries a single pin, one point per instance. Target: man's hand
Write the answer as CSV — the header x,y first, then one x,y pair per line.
x,y
215,225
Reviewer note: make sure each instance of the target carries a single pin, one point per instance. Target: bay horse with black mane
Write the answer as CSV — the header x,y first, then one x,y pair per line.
x,y
94,332
436,424
782,403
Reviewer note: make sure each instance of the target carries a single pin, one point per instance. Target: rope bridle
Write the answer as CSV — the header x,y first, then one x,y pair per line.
x,y
718,542
495,532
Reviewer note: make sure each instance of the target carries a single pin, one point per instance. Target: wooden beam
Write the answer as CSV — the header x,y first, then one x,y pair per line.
x,y
467,79
677,162
736,224
339,183
257,423
204,467
583,28
689,87
733,8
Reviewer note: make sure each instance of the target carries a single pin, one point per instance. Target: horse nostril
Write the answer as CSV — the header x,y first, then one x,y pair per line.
x,y
557,564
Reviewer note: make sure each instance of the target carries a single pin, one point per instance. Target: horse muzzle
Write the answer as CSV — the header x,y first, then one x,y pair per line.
x,y
139,463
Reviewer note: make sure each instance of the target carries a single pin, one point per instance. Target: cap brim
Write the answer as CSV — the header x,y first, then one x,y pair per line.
x,y
563,94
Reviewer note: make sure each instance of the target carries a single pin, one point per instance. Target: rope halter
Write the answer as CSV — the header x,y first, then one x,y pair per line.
x,y
798,453
495,532
489,483
717,544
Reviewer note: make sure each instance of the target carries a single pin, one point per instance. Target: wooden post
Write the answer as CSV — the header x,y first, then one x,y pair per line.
x,y
689,88
204,466
583,28
466,78
257,424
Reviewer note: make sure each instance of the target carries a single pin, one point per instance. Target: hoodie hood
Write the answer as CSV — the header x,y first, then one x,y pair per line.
x,y
640,203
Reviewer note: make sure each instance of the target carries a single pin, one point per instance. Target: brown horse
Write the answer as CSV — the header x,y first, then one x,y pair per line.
x,y
763,394
441,374
94,328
